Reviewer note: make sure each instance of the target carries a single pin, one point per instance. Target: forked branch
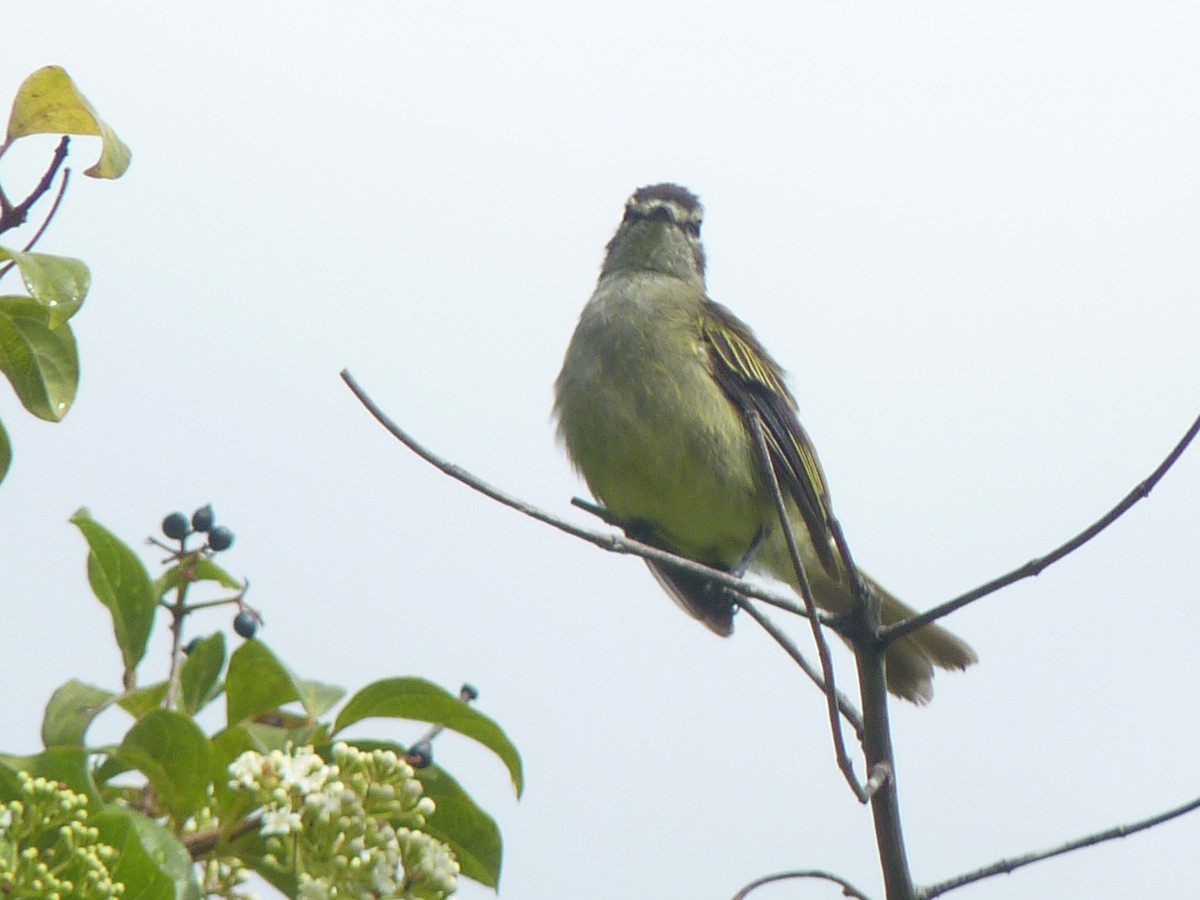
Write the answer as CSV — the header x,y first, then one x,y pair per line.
x,y
1037,566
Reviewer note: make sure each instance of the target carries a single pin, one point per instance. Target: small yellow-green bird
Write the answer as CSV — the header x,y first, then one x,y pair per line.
x,y
652,405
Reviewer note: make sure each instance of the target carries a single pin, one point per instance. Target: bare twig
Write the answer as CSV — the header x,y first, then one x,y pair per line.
x,y
846,708
1036,566
845,764
1005,866
202,843
783,603
178,611
877,746
848,890
869,652
58,199
13,216
605,541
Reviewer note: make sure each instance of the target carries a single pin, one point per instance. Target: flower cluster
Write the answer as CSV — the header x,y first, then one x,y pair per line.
x,y
351,827
48,850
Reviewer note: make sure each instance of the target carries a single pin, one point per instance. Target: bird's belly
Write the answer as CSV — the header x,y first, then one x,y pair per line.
x,y
682,468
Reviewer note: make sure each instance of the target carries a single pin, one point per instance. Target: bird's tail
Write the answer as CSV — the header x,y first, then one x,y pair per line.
x,y
911,659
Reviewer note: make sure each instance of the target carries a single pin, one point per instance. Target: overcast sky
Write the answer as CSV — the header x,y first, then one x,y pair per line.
x,y
969,232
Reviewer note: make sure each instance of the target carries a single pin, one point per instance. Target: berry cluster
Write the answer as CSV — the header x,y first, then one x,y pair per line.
x,y
177,527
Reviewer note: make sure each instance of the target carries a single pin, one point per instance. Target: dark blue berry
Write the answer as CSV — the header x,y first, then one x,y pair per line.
x,y
191,646
220,538
175,526
245,624
203,518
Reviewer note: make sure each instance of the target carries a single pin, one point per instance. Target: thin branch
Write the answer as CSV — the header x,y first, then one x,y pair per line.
x,y
845,764
605,541
881,787
869,655
877,746
202,843
58,199
844,705
731,576
12,216
1036,566
178,611
848,890
1005,866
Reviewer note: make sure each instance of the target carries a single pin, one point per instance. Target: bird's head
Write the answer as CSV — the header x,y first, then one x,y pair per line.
x,y
659,233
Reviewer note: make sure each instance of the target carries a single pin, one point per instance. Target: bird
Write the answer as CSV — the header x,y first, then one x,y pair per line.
x,y
654,405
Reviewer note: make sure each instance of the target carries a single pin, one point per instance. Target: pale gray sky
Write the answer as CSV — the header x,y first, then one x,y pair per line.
x,y
969,232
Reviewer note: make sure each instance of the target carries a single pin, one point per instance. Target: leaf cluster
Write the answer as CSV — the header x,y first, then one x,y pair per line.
x,y
38,353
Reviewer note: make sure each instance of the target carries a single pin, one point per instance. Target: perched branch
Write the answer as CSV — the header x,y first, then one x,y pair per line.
x,y
848,890
1036,566
880,767
605,541
1005,866
845,764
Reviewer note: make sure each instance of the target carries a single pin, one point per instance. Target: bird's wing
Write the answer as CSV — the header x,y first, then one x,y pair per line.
x,y
753,381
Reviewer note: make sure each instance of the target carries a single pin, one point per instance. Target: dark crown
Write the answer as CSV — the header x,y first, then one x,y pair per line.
x,y
666,201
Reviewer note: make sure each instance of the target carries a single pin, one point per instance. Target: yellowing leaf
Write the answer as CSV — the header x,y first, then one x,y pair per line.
x,y
48,102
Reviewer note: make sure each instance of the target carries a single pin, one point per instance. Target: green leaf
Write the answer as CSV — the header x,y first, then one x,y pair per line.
x,y
318,698
198,681
272,736
57,283
5,452
202,569
41,362
70,711
48,102
415,698
66,764
173,753
10,785
141,700
109,769
153,865
471,833
122,583
257,682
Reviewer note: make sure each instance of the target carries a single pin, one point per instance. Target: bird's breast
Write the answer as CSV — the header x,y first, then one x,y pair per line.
x,y
647,425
